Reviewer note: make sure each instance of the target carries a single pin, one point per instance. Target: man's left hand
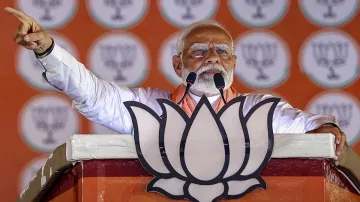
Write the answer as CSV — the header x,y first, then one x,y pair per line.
x,y
340,139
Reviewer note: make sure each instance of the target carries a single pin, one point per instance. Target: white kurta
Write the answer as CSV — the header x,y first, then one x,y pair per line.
x,y
102,101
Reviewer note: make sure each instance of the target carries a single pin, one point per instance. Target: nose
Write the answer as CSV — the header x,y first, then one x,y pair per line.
x,y
212,57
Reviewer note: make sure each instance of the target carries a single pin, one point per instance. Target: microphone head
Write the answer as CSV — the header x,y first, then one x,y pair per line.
x,y
190,79
219,81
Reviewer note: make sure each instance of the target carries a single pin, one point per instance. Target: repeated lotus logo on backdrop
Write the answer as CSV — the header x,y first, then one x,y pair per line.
x,y
184,12
207,156
330,59
344,107
258,13
263,59
118,13
46,122
329,12
120,57
50,14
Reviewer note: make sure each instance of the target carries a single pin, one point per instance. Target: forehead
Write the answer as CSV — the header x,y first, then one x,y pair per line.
x,y
207,35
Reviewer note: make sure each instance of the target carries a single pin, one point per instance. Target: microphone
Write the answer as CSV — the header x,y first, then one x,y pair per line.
x,y
190,80
220,84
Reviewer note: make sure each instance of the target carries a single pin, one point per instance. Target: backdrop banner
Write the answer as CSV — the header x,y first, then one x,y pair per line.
x,y
305,52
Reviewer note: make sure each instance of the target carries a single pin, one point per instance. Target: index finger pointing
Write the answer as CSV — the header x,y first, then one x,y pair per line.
x,y
18,14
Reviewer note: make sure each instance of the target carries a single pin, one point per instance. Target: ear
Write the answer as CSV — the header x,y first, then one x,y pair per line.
x,y
233,60
177,65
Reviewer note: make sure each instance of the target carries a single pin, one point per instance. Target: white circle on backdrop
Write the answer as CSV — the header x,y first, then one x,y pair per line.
x,y
120,57
50,14
47,121
258,13
263,59
330,59
329,12
30,69
100,129
344,107
29,171
181,13
118,13
167,51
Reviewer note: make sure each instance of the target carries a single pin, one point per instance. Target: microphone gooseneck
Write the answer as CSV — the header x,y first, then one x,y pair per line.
x,y
190,80
220,84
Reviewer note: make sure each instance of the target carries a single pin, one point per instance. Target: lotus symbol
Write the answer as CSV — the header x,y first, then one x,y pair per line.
x,y
208,156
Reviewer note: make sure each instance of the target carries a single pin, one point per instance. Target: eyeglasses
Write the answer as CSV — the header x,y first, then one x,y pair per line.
x,y
218,51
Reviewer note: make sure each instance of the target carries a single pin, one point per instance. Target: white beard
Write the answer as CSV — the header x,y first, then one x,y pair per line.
x,y
204,83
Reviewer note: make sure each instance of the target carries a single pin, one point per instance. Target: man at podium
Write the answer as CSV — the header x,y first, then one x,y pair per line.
x,y
204,48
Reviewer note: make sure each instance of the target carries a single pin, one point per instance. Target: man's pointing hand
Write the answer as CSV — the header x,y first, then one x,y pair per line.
x,y
29,33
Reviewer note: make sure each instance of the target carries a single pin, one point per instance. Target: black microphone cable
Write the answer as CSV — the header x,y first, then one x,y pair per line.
x,y
220,84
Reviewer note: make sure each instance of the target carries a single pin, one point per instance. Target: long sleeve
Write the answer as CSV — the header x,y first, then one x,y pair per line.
x,y
288,119
98,100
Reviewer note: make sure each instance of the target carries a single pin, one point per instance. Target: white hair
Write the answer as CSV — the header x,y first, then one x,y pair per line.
x,y
204,23
204,84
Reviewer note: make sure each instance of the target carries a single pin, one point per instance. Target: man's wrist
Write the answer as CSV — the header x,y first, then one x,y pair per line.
x,y
331,124
47,51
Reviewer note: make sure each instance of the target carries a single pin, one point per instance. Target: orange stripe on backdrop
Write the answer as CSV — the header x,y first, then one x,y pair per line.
x,y
357,148
132,189
82,31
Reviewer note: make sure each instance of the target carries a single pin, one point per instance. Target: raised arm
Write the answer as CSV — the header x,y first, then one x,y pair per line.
x,y
98,100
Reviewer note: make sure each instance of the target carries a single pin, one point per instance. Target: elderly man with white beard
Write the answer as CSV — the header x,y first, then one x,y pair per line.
x,y
205,48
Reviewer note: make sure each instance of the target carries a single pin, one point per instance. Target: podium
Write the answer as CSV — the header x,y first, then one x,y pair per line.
x,y
105,168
